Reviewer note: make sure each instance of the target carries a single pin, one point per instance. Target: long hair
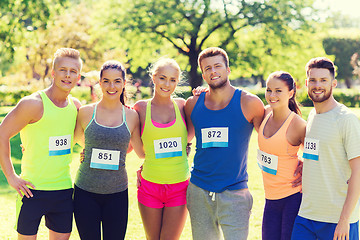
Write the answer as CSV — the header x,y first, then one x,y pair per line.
x,y
112,64
291,84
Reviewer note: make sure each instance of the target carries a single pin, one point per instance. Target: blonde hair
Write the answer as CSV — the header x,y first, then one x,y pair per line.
x,y
162,62
67,52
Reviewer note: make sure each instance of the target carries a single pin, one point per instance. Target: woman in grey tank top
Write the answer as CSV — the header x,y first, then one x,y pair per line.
x,y
105,129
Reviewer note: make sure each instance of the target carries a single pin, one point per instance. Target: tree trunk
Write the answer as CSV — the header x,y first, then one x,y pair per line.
x,y
195,79
348,82
262,80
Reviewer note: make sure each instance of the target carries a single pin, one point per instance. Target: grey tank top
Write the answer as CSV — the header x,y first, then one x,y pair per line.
x,y
102,146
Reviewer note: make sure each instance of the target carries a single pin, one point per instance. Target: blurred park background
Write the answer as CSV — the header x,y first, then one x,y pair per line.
x,y
260,36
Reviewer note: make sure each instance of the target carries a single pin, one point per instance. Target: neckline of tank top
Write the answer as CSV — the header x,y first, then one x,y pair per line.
x,y
228,105
278,128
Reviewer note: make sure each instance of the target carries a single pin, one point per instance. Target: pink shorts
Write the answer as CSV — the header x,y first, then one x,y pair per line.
x,y
156,195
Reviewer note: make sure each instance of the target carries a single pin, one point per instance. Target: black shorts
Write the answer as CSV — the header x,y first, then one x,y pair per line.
x,y
56,206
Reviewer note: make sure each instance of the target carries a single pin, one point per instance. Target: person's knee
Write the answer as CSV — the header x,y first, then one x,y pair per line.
x,y
58,236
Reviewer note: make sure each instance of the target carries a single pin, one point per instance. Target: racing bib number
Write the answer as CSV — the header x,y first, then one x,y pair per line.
x,y
215,137
59,145
168,147
267,162
311,149
105,159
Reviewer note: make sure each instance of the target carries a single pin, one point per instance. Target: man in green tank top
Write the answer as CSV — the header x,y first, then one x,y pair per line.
x,y
46,122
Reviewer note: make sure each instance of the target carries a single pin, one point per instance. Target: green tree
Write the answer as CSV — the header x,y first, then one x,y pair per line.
x,y
73,28
17,17
343,49
191,25
262,51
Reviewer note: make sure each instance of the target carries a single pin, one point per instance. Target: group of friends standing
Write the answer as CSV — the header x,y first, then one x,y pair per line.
x,y
313,197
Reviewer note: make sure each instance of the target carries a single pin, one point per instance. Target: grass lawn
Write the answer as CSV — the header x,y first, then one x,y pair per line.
x,y
135,228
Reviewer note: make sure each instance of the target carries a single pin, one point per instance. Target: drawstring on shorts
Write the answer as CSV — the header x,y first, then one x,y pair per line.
x,y
212,195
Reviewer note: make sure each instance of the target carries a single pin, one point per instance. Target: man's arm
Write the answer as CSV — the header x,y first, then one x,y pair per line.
x,y
253,109
343,227
188,108
28,110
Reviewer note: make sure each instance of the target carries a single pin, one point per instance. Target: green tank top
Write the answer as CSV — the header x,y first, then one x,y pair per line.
x,y
48,145
165,149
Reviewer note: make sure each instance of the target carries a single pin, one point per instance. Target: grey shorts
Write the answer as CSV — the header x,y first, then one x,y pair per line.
x,y
224,215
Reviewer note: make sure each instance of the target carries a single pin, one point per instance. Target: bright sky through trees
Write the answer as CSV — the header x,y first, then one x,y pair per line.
x,y
346,7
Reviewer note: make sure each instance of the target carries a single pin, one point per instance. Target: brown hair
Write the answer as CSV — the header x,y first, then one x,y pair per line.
x,y
211,52
291,84
112,64
320,62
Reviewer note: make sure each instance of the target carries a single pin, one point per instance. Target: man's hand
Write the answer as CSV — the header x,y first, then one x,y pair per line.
x,y
82,155
188,149
20,186
138,177
197,91
342,230
298,173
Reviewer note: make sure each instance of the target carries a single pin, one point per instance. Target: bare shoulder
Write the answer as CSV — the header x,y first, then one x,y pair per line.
x,y
28,110
251,103
131,113
268,110
76,102
86,110
31,104
296,131
298,122
251,99
140,106
180,102
190,102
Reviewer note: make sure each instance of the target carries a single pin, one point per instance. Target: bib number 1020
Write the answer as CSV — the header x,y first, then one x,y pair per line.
x,y
168,144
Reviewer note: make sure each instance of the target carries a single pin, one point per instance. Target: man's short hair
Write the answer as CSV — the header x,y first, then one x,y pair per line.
x,y
320,62
67,52
211,52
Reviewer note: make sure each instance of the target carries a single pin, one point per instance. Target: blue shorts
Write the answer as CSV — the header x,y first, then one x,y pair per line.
x,y
312,230
56,206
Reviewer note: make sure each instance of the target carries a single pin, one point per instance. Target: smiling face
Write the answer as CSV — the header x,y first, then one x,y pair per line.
x,y
165,80
214,71
277,93
66,73
112,83
320,84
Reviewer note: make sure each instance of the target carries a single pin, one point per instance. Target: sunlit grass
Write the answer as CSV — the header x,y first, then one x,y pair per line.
x,y
135,229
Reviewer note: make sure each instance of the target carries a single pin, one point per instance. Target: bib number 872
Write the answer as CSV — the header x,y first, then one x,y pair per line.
x,y
213,134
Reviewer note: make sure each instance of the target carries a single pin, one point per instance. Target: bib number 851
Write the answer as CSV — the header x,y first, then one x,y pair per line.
x,y
105,156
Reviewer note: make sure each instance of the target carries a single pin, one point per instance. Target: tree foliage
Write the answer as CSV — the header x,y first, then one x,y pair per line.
x,y
16,17
191,25
343,49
